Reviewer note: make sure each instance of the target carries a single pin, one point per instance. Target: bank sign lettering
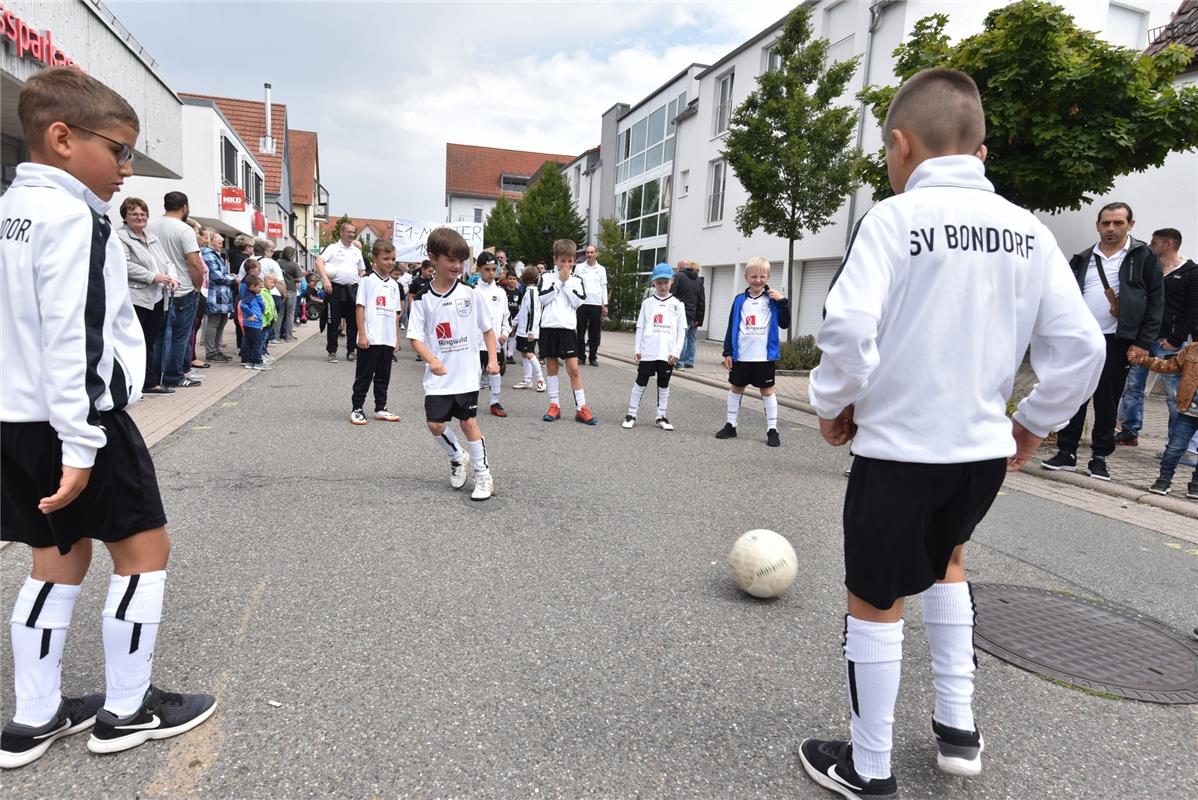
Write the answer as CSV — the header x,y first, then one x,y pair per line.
x,y
29,41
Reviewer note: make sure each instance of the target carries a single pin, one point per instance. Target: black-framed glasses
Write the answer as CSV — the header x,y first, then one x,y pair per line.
x,y
123,156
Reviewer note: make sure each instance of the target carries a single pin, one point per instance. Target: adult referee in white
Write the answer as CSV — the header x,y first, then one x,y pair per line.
x,y
592,310
340,266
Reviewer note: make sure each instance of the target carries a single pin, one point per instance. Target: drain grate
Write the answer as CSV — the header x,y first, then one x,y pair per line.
x,y
1086,644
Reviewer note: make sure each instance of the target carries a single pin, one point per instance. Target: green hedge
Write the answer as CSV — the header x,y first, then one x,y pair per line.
x,y
800,353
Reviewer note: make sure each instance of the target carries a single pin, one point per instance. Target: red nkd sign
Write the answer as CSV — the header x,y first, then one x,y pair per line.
x,y
274,230
232,199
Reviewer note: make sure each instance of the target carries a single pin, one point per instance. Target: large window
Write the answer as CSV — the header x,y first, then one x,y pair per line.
x,y
228,161
247,181
478,214
723,106
839,24
514,183
259,200
645,209
649,142
717,181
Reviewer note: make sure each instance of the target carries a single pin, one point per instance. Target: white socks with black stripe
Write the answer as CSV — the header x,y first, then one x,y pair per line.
x,y
770,403
634,402
478,457
449,443
948,618
733,407
580,398
554,394
663,400
40,619
873,653
131,615
495,385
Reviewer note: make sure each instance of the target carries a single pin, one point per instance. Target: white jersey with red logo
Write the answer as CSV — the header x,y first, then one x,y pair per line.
x,y
754,328
452,326
381,299
660,328
495,298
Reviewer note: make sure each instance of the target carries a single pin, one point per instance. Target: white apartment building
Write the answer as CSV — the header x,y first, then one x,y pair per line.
x,y
584,177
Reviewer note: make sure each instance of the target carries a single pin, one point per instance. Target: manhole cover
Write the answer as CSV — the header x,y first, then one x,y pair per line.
x,y
1086,644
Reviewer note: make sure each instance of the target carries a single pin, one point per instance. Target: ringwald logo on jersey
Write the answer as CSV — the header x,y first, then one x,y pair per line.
x,y
659,319
444,330
751,321
381,300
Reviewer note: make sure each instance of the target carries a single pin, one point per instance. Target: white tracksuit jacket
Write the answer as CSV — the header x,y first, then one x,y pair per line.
x,y
559,301
940,293
528,316
70,342
495,301
660,328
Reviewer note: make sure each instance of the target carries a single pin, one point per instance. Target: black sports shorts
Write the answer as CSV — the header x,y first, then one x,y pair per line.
x,y
444,407
752,373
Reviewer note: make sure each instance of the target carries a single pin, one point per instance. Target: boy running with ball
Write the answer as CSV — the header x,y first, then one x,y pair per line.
x,y
945,266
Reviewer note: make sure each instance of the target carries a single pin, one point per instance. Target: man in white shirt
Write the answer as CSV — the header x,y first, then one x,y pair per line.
x,y
1129,269
339,266
593,309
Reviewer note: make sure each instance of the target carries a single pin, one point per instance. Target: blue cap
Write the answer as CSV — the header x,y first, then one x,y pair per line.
x,y
662,271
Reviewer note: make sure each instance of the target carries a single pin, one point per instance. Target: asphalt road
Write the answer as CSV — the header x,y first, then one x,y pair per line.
x,y
578,635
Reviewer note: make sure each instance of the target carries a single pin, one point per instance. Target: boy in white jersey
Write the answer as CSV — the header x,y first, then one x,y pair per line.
x,y
751,347
560,294
526,325
448,321
931,435
378,308
495,299
660,332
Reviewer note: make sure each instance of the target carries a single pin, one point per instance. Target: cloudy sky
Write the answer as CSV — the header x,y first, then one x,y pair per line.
x,y
387,84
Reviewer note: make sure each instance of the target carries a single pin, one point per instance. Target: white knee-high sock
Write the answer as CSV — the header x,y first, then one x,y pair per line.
x,y
634,402
537,374
770,403
580,398
478,457
493,381
131,615
554,395
449,443
873,654
733,407
526,366
663,400
40,619
948,618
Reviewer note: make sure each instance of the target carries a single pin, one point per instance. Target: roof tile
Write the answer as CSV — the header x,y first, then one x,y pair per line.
x,y
477,171
248,118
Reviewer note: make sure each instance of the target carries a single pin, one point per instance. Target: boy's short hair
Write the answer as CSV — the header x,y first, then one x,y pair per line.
x,y
448,242
1116,206
133,202
381,246
757,262
530,276
174,201
564,247
253,280
251,263
942,108
69,95
1171,234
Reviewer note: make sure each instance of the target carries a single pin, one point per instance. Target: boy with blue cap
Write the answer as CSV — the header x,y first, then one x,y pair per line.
x,y
660,332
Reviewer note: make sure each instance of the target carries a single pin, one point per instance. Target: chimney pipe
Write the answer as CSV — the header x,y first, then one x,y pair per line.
x,y
267,143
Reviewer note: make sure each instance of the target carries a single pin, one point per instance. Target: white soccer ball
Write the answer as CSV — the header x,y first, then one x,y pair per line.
x,y
763,563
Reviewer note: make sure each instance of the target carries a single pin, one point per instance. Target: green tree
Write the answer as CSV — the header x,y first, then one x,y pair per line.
x,y
544,214
1066,112
499,229
621,262
789,144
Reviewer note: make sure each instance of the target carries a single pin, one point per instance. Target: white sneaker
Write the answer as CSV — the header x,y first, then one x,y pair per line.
x,y
541,385
628,422
263,367
483,488
386,416
522,385
193,375
457,474
664,424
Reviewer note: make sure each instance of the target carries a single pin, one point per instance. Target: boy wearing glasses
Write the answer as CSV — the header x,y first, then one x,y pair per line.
x,y
75,467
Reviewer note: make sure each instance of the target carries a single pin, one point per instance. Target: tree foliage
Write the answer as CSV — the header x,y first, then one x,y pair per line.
x,y
1066,112
499,229
789,145
546,213
621,263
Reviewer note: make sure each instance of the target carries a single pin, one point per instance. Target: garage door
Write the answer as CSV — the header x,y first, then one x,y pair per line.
x,y
817,279
723,289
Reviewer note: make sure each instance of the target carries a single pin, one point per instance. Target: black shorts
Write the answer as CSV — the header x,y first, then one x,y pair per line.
x,y
646,369
444,407
752,373
558,343
525,346
482,360
121,497
902,522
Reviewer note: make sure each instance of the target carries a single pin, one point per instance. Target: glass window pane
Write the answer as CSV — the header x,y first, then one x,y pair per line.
x,y
647,259
653,156
621,206
669,154
671,112
622,172
657,125
634,229
663,223
667,191
682,102
634,201
649,226
649,198
638,136
638,165
624,145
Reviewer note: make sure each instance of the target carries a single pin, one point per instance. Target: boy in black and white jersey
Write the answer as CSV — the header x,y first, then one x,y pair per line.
x,y
560,294
494,298
945,265
527,323
660,332
448,323
75,466
378,308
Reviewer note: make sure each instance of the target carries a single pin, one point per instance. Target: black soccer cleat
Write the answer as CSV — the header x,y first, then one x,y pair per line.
x,y
771,438
958,752
830,764
726,432
24,744
161,716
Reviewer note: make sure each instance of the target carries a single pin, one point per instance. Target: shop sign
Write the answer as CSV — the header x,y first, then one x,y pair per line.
x,y
274,230
259,222
232,198
28,41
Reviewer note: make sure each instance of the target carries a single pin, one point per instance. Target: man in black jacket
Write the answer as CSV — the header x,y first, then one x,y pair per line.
x,y
1127,269
688,287
1180,322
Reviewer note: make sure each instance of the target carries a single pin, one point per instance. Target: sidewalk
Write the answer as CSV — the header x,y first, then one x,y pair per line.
x,y
1133,469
